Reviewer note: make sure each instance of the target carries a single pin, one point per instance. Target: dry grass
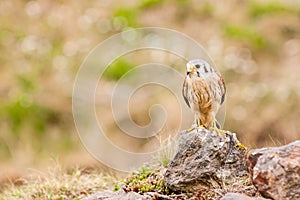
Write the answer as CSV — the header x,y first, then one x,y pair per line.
x,y
59,183
255,45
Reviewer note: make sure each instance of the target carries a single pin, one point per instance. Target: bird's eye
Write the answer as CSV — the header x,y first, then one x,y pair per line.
x,y
197,66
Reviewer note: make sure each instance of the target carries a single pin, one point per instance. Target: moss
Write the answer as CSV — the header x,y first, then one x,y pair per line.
x,y
146,179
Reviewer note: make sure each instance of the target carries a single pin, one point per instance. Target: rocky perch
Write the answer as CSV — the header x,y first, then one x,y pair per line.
x,y
212,165
206,158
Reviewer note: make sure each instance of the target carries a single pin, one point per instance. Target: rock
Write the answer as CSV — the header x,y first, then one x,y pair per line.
x,y
238,196
205,159
119,195
276,171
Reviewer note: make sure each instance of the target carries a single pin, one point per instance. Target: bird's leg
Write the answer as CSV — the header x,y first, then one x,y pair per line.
x,y
196,124
192,128
216,128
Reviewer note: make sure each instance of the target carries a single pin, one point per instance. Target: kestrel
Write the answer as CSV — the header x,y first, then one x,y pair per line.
x,y
204,92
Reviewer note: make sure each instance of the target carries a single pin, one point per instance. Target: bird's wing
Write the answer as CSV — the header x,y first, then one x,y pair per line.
x,y
222,88
184,92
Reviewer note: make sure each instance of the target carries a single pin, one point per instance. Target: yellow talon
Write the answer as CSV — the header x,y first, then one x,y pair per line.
x,y
195,125
192,128
219,131
201,126
241,145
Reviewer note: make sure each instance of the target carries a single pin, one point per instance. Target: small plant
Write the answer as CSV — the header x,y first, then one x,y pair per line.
x,y
167,152
146,179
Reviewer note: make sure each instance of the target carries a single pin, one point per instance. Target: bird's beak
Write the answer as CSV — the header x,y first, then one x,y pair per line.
x,y
189,70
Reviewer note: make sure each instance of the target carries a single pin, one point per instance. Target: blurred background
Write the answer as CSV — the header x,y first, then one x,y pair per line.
x,y
255,45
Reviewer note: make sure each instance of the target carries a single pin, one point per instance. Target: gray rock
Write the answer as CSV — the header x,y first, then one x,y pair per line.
x,y
276,171
238,196
205,159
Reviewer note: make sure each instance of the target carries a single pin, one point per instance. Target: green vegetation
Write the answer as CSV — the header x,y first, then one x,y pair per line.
x,y
117,69
149,3
208,9
183,1
246,34
22,111
146,179
125,17
259,9
167,152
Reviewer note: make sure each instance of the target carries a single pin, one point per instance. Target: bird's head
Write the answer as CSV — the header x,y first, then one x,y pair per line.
x,y
198,67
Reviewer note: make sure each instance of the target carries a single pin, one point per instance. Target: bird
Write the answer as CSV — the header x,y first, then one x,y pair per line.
x,y
204,92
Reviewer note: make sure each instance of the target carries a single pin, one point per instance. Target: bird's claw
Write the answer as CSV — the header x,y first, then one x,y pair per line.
x,y
219,131
240,145
190,129
194,127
